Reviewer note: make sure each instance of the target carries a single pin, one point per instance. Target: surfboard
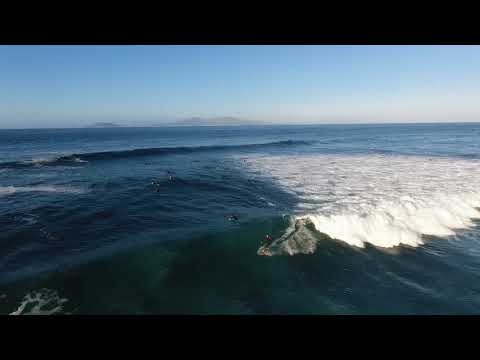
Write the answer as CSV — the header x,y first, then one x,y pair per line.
x,y
264,251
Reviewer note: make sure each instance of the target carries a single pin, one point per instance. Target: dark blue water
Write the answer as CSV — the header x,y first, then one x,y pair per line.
x,y
135,220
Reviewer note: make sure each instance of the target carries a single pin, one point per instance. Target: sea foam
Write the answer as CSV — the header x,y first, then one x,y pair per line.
x,y
41,302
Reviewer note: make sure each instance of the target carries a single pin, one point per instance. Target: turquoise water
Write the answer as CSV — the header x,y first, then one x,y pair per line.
x,y
366,219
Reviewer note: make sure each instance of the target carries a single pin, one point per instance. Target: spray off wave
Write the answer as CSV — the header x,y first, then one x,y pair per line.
x,y
383,200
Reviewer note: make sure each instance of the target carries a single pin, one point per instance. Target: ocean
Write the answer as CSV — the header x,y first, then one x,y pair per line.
x,y
364,219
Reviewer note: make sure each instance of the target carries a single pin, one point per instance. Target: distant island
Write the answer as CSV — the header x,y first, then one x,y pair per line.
x,y
193,121
219,121
103,125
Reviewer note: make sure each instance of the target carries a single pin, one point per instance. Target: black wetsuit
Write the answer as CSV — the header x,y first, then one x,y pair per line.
x,y
268,240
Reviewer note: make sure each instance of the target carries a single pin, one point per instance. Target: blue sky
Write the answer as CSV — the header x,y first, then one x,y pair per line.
x,y
70,86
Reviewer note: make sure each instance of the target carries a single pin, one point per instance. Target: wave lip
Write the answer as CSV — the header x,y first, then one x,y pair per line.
x,y
110,155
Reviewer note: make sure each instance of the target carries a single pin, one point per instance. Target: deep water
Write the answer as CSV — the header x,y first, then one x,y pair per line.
x,y
135,220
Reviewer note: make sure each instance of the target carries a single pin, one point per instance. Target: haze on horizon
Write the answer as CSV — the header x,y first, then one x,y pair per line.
x,y
77,86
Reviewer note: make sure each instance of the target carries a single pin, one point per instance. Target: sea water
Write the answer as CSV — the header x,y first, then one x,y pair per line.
x,y
366,219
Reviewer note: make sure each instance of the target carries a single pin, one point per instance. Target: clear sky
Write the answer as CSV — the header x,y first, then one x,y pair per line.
x,y
70,86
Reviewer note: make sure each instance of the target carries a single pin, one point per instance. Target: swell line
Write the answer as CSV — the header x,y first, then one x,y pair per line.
x,y
121,154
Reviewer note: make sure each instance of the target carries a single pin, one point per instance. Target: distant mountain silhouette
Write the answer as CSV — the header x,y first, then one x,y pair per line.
x,y
104,125
227,120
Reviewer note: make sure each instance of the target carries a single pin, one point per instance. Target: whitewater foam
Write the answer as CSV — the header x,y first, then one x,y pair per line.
x,y
42,302
384,200
9,190
297,239
36,162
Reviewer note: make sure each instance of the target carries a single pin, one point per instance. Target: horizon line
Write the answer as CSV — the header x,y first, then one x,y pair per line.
x,y
246,125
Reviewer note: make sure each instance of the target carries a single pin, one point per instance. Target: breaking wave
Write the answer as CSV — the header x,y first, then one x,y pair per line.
x,y
405,222
386,201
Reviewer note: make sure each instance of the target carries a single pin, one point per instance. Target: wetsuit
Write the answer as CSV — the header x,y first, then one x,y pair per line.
x,y
268,240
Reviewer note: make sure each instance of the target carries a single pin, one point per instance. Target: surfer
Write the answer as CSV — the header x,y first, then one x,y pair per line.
x,y
157,185
233,217
268,240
